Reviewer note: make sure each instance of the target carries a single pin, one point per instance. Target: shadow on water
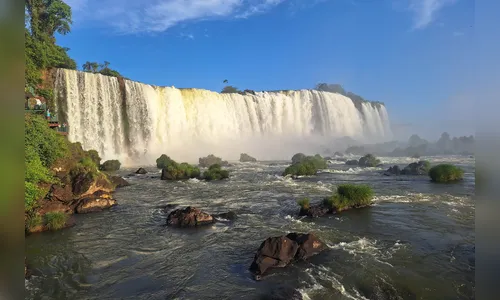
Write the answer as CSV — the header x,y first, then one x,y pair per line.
x,y
416,242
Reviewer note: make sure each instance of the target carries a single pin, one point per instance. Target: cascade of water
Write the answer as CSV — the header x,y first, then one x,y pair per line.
x,y
138,122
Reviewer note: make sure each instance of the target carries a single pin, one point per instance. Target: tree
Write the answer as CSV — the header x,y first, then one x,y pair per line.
x,y
94,67
87,66
46,17
230,89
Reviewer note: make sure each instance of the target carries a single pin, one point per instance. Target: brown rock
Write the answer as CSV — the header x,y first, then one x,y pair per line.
x,y
97,202
189,216
273,252
309,245
118,181
60,193
141,171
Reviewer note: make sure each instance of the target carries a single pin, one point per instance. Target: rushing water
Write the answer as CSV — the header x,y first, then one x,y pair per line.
x,y
416,242
132,121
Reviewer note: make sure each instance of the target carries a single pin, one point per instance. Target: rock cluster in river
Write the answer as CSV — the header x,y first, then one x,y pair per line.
x,y
279,252
193,217
416,168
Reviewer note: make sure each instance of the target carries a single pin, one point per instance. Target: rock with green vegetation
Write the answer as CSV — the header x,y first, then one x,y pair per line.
x,y
247,158
110,165
349,196
352,162
304,203
308,165
298,157
163,161
94,156
176,171
445,173
369,160
417,168
210,160
215,172
55,220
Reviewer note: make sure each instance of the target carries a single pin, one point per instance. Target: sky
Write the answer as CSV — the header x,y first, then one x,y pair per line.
x,y
413,55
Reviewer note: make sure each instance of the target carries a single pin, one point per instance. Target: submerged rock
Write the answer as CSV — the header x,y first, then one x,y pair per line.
x,y
314,211
230,215
282,250
141,171
189,217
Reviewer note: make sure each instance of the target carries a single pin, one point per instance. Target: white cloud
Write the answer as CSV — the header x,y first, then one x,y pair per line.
x,y
426,11
133,16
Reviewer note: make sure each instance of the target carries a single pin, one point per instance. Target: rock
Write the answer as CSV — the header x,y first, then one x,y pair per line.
x,y
141,171
282,250
417,168
86,183
314,211
97,202
394,170
212,160
119,181
309,245
230,215
273,252
247,158
60,193
188,217
352,162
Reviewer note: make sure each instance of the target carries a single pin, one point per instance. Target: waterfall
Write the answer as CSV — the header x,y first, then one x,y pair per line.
x,y
136,122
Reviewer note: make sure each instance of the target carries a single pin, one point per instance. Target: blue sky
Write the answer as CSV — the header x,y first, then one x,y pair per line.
x,y
410,54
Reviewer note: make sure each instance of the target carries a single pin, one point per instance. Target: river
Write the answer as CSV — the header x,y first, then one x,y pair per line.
x,y
416,242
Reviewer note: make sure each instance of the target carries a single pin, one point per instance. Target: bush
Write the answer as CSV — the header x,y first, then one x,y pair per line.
x,y
211,160
111,165
304,203
92,154
297,158
349,195
55,220
446,173
246,158
215,172
163,161
33,221
369,161
175,171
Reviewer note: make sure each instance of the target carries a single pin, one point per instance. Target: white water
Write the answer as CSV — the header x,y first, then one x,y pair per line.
x,y
189,123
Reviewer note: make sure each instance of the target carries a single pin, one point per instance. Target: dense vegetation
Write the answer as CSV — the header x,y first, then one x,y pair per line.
x,y
446,173
163,161
176,171
215,172
55,220
103,69
369,161
337,88
110,165
304,203
305,165
348,196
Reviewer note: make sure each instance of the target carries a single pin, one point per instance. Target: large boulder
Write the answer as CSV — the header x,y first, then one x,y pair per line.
x,y
119,181
247,158
60,192
394,170
96,202
141,171
212,160
352,162
282,250
189,217
417,168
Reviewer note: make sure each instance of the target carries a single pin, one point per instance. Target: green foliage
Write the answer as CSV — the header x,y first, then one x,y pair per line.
x,y
349,195
304,203
369,161
103,69
33,221
305,165
55,220
164,161
230,89
94,156
215,172
32,193
297,158
175,171
446,173
110,165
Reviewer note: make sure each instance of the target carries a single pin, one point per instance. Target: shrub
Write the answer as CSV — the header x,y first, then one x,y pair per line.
x,y
215,172
175,171
55,220
304,203
211,160
297,158
446,173
163,161
33,221
111,165
349,195
92,154
246,158
369,161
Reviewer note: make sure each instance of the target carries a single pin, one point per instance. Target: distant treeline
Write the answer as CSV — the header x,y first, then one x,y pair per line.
x,y
337,88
